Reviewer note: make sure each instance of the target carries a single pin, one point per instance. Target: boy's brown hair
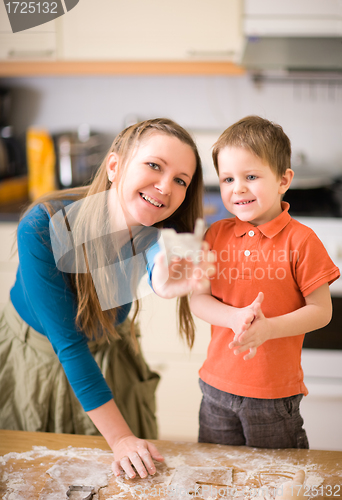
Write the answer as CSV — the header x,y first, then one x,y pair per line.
x,y
261,137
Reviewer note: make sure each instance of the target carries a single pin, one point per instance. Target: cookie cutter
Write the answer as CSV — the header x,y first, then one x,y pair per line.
x,y
89,489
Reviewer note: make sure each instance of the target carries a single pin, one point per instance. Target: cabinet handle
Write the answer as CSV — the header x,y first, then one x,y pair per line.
x,y
30,54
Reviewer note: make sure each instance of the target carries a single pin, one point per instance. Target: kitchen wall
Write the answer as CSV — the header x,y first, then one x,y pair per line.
x,y
309,112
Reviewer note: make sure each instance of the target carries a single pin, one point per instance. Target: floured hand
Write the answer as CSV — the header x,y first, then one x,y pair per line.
x,y
186,246
131,451
184,264
182,276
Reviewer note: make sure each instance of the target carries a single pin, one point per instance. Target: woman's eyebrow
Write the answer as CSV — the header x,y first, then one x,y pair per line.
x,y
165,163
186,175
158,158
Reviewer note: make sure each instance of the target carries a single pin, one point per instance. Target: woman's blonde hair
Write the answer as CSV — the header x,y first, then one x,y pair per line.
x,y
92,215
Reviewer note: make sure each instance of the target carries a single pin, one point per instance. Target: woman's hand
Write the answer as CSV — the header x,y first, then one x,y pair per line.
x,y
130,451
182,276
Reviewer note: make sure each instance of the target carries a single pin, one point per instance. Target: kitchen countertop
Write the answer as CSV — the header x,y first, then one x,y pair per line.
x,y
66,457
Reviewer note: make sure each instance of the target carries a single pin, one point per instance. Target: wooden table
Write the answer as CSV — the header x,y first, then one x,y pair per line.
x,y
23,472
19,441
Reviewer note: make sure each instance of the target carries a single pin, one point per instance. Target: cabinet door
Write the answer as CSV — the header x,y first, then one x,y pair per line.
x,y
290,8
178,393
8,260
158,320
152,30
34,43
293,18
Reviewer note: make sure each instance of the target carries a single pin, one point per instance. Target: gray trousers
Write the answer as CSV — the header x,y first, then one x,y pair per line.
x,y
264,423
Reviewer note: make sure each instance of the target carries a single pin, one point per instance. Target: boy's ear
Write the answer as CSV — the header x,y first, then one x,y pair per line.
x,y
112,166
286,180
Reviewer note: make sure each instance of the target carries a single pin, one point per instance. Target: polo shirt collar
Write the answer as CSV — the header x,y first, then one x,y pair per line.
x,y
271,228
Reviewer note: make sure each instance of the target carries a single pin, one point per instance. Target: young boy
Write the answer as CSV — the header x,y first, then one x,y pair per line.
x,y
271,287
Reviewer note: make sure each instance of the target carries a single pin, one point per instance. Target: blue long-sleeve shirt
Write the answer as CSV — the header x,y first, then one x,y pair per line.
x,y
44,299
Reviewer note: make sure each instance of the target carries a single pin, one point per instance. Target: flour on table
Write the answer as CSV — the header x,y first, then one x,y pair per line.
x,y
174,462
313,481
56,470
74,472
61,468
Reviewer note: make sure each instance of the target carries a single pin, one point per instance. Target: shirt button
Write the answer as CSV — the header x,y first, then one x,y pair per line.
x,y
251,233
247,253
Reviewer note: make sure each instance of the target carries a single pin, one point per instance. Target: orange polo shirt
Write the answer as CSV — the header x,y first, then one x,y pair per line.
x,y
286,261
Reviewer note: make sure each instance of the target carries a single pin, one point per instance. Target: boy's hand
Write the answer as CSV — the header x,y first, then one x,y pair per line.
x,y
244,317
256,335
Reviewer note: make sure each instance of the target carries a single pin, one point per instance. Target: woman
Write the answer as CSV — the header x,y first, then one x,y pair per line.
x,y
65,331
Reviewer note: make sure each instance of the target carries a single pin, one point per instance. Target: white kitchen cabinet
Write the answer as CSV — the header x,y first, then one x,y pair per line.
x,y
293,18
329,231
316,8
155,30
322,408
178,393
35,43
8,260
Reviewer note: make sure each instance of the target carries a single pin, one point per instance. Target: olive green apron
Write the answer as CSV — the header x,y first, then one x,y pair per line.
x,y
35,394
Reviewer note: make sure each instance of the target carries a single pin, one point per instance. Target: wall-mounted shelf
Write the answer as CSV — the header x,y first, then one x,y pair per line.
x,y
90,68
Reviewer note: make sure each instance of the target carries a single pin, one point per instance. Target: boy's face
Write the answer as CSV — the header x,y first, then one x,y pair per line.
x,y
249,188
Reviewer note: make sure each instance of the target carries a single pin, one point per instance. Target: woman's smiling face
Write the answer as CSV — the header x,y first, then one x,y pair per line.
x,y
155,179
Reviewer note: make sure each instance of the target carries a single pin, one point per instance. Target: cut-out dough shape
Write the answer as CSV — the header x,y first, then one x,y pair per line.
x,y
188,480
77,472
